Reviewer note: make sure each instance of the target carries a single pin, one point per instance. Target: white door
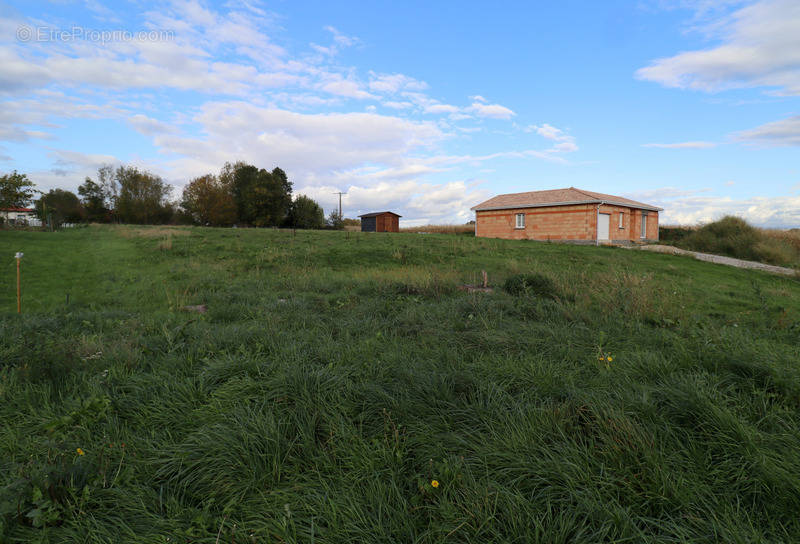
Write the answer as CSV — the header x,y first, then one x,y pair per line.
x,y
603,221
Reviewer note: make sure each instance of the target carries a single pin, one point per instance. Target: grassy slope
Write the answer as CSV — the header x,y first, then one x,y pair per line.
x,y
336,374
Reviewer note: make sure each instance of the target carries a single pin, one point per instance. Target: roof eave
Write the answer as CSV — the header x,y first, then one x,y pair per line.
x,y
478,208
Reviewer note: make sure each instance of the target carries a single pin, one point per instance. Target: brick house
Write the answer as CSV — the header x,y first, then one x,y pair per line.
x,y
567,215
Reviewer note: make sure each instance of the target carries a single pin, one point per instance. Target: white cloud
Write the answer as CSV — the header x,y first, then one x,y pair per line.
x,y
101,12
149,126
397,105
340,39
494,111
688,207
760,47
683,145
565,147
27,118
311,146
562,142
75,159
417,202
441,108
458,116
785,132
347,88
548,131
394,83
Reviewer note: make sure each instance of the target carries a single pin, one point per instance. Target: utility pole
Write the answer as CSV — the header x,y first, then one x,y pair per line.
x,y
340,202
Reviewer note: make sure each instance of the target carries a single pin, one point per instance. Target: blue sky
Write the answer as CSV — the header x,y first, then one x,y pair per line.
x,y
424,108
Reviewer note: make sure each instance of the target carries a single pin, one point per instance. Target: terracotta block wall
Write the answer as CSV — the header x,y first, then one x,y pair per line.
x,y
651,233
615,233
569,223
548,223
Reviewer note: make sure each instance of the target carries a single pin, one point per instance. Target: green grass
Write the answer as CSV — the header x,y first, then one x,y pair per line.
x,y
336,374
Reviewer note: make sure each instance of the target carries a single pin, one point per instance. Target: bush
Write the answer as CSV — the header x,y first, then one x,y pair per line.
x,y
530,285
734,237
671,235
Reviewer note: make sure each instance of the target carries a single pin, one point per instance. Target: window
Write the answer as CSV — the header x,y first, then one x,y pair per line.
x,y
644,225
520,221
621,220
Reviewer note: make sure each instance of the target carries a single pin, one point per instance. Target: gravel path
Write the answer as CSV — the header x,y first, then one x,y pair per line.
x,y
719,259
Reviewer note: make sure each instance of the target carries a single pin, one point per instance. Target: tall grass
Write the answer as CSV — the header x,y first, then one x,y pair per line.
x,y
337,375
441,229
734,237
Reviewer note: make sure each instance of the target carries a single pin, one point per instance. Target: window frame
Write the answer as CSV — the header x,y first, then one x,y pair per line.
x,y
622,220
643,233
519,225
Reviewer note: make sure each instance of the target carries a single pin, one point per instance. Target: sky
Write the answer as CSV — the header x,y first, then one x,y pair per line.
x,y
423,108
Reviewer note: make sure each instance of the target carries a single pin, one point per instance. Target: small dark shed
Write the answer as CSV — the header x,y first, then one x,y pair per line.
x,y
380,222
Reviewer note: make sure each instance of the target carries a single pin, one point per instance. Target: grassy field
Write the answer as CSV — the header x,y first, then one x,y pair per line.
x,y
337,376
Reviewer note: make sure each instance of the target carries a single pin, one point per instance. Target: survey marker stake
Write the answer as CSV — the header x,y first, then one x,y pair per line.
x,y
18,257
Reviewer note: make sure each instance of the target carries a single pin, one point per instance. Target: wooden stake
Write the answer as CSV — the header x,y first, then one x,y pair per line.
x,y
19,286
485,279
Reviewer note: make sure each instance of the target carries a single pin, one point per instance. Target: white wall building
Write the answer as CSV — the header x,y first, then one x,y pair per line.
x,y
19,216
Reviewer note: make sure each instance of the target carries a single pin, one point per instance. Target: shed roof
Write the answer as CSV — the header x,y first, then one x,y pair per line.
x,y
558,197
375,214
17,210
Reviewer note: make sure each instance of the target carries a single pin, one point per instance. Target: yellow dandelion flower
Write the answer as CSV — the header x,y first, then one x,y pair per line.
x,y
434,483
610,358
80,452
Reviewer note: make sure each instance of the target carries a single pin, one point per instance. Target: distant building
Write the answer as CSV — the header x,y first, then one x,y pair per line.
x,y
564,215
380,222
18,216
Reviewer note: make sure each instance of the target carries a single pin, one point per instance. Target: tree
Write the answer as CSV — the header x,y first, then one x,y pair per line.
x,y
305,213
335,221
262,198
99,197
209,201
61,206
279,201
109,183
16,190
142,197
244,180
94,200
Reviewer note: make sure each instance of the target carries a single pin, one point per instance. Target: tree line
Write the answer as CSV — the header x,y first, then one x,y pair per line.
x,y
241,194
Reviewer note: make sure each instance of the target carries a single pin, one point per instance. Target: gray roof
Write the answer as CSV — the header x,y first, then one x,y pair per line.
x,y
375,214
